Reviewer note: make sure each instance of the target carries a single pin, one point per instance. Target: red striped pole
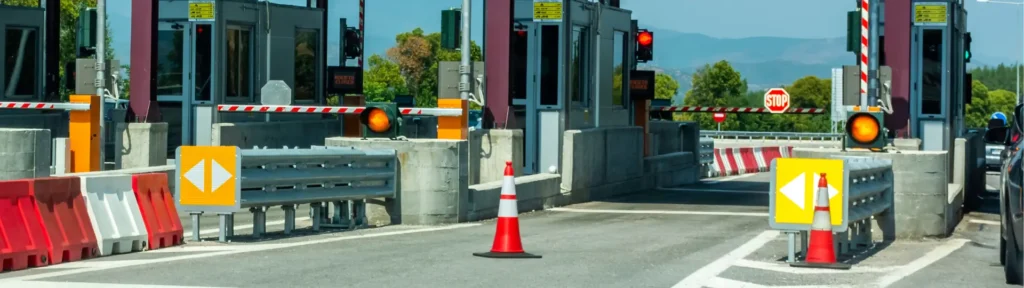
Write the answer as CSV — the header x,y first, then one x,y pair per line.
x,y
864,38
362,31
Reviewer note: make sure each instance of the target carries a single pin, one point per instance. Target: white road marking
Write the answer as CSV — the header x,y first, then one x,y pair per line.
x,y
714,190
727,178
986,222
667,212
711,271
42,284
785,268
719,282
188,234
238,250
920,263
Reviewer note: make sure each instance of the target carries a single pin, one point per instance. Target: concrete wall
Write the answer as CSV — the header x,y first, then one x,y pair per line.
x,y
434,178
141,145
533,192
25,153
673,169
488,151
275,134
602,162
921,201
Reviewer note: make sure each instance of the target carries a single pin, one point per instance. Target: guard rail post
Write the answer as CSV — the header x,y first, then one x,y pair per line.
x,y
226,179
707,156
866,192
83,128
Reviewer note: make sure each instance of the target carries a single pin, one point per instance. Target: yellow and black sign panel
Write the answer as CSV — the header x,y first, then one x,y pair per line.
x,y
208,178
930,13
201,11
795,188
547,11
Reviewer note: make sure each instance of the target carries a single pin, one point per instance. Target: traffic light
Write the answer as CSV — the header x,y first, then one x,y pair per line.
x,y
353,43
381,120
70,73
853,26
967,47
644,45
451,28
86,33
864,129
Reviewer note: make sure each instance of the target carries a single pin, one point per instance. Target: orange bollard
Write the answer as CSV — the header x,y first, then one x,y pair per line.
x,y
84,135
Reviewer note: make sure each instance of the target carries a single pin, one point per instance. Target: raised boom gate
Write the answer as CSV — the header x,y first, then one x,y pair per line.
x,y
226,179
84,132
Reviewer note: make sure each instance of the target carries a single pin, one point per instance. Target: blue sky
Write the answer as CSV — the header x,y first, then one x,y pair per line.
x,y
997,28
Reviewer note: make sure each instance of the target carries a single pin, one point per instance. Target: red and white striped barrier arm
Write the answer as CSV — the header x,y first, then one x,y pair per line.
x,y
734,109
45,106
333,110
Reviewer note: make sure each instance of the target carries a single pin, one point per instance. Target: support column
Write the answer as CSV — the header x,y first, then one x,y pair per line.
x,y
142,104
498,36
350,122
640,119
52,50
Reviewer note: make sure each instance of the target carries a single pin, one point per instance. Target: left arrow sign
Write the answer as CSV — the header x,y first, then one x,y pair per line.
x,y
196,175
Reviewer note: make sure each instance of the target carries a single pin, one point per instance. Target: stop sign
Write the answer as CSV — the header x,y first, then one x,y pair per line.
x,y
719,117
776,100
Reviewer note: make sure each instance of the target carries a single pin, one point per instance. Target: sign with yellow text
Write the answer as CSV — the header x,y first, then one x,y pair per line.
x,y
547,10
208,178
930,13
794,192
201,11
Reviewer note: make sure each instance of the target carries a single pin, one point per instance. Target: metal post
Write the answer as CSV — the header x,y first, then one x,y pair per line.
x,y
873,54
362,32
195,226
289,218
865,7
101,66
464,68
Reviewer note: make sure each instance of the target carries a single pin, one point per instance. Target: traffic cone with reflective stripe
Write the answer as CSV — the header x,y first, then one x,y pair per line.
x,y
821,249
507,243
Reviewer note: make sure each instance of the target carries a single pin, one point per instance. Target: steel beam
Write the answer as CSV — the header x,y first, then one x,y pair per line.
x,y
498,36
142,103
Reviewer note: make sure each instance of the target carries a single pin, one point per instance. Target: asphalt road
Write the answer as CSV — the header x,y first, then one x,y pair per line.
x,y
712,234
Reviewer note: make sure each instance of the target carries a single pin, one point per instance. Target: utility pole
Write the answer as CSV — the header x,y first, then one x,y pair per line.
x,y
101,64
464,68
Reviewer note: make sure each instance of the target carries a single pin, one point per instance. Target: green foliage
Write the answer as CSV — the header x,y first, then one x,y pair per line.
x,y
419,68
998,77
985,102
665,87
383,80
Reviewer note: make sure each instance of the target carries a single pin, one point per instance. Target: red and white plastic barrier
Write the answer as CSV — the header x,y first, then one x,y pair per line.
x,y
48,221
746,160
332,110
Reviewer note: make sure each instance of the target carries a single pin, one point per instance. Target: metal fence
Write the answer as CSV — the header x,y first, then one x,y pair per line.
x,y
771,135
707,157
289,177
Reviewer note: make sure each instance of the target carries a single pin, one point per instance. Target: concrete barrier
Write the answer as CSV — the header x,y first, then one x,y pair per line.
x,y
922,203
275,134
488,151
434,178
141,145
25,153
533,192
672,169
602,162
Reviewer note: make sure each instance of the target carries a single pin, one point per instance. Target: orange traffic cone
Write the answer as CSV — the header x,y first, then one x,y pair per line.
x,y
821,249
507,243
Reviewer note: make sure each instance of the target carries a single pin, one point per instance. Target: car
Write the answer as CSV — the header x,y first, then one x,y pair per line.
x,y
1011,199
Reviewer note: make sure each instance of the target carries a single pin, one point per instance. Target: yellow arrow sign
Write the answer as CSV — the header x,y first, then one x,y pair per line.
x,y
208,175
796,188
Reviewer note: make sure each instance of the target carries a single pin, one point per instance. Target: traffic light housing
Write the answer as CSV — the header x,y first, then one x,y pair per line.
x,y
853,26
353,43
451,28
644,45
381,120
865,129
85,39
967,47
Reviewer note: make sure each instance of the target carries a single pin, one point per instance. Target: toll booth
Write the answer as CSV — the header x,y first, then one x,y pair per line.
x,y
22,70
937,72
568,73
223,51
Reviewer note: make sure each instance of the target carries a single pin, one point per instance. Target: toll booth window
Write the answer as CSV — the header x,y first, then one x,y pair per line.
x,y
618,80
519,60
549,65
20,65
169,61
203,56
239,56
579,50
931,72
305,65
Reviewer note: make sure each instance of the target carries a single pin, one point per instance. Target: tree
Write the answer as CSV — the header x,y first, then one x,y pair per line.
x,y
412,54
383,80
808,92
997,77
715,85
985,102
418,56
665,87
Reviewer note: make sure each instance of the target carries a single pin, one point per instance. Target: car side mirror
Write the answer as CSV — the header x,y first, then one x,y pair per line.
x,y
996,135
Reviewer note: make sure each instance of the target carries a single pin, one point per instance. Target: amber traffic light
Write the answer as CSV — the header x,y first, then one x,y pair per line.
x,y
864,129
380,120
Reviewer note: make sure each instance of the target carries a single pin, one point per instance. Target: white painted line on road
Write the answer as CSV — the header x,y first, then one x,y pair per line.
x,y
785,268
719,282
666,212
711,271
238,250
920,263
42,284
986,222
714,190
188,234
727,178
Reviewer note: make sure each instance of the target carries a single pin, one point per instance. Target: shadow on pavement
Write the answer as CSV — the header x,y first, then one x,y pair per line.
x,y
701,195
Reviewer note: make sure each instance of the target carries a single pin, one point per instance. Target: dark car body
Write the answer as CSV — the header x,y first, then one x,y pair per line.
x,y
1011,199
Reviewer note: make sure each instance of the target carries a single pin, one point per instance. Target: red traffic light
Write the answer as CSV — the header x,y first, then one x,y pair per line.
x,y
645,38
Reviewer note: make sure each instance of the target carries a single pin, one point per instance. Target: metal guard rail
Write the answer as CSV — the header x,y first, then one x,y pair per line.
x,y
288,177
771,135
870,187
706,156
